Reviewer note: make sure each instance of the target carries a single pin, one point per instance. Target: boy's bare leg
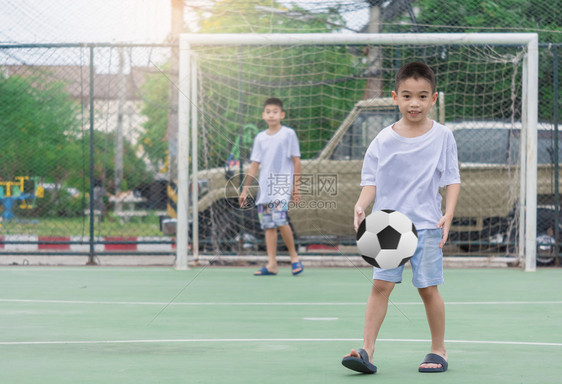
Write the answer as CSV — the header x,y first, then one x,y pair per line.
x,y
271,244
435,311
377,305
287,235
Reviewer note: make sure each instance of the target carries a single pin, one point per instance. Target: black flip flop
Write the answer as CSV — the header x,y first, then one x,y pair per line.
x,y
359,364
433,358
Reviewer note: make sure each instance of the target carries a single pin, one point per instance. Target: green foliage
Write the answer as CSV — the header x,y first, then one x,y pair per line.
x,y
59,202
234,96
38,129
134,169
56,203
505,16
79,226
40,136
237,83
156,95
480,83
491,16
315,83
266,16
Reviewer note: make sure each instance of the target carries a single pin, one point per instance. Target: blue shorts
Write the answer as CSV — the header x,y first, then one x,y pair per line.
x,y
427,262
273,215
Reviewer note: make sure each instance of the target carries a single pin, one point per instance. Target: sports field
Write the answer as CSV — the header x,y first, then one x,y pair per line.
x,y
222,325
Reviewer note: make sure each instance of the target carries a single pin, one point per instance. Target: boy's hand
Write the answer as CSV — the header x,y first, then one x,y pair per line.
x,y
242,198
358,217
444,223
296,195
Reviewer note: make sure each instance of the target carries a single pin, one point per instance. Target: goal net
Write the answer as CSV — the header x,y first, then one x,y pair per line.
x,y
336,91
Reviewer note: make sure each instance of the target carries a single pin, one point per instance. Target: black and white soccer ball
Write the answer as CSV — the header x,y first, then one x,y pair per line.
x,y
387,239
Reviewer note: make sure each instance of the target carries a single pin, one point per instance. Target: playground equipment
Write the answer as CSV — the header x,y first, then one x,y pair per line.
x,y
249,133
13,192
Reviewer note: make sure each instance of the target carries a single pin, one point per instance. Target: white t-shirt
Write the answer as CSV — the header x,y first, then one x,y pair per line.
x,y
275,154
408,172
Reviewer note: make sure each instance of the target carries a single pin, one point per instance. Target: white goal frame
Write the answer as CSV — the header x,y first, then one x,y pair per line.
x,y
188,116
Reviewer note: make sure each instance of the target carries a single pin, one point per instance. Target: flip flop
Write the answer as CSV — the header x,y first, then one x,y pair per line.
x,y
359,364
264,272
433,358
297,265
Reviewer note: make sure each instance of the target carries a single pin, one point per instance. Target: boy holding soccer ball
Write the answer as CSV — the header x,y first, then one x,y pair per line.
x,y
404,167
277,152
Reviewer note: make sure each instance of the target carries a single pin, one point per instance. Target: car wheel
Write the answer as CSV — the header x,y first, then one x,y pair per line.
x,y
545,250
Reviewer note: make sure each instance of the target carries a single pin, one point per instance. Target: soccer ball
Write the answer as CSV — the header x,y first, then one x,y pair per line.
x,y
387,239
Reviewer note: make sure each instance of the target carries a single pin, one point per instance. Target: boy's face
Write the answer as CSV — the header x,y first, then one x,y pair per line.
x,y
414,99
273,114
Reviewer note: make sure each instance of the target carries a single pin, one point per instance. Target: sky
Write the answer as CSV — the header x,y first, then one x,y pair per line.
x,y
104,21
70,21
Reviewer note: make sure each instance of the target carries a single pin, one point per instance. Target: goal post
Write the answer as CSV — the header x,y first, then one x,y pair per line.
x,y
192,115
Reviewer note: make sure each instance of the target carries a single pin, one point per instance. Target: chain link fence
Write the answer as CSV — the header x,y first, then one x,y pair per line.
x,y
85,127
80,164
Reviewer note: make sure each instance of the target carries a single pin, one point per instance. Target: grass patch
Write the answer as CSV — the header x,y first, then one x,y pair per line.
x,y
80,226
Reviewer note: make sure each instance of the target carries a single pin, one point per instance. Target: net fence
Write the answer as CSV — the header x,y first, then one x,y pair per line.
x,y
60,103
337,101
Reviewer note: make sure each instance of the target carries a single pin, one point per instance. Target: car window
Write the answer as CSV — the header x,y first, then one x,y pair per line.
x,y
482,146
362,131
501,146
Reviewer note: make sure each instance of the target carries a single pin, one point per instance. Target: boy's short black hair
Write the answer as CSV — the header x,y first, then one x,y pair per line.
x,y
416,70
273,101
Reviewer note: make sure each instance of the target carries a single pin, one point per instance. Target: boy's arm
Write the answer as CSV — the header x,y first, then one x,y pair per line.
x,y
297,179
365,198
252,174
451,198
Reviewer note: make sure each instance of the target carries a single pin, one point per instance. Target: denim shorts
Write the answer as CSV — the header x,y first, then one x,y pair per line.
x,y
427,262
273,215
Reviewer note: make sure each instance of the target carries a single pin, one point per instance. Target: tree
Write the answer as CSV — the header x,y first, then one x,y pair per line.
x,y
40,135
134,168
318,92
505,16
486,15
258,17
39,123
156,96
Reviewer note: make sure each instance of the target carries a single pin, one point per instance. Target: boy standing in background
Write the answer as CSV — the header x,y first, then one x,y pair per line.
x,y
276,151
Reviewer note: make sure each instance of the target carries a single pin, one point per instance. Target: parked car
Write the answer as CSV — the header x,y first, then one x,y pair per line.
x,y
546,235
332,177
489,164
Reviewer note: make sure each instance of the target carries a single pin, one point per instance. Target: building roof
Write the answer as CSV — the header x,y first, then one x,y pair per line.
x,y
77,79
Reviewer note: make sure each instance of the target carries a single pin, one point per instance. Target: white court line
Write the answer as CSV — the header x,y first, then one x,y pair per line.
x,y
252,340
87,302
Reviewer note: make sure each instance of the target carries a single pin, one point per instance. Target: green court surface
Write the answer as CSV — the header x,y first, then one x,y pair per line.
x,y
223,325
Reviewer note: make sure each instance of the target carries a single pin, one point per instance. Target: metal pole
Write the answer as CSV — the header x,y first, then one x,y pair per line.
x,y
172,130
119,130
194,163
240,143
91,254
556,160
362,38
532,113
523,167
184,111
